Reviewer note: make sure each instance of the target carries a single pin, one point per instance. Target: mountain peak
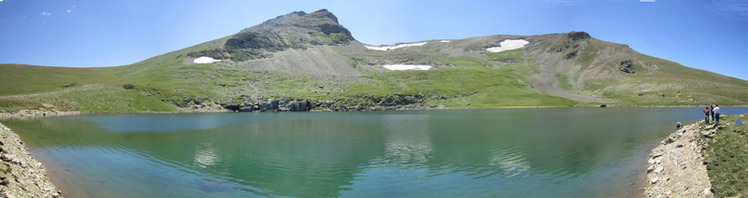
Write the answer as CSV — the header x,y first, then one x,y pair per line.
x,y
294,30
277,20
322,14
315,18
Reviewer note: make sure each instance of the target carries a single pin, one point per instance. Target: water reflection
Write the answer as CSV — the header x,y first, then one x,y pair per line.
x,y
511,163
408,139
484,153
205,155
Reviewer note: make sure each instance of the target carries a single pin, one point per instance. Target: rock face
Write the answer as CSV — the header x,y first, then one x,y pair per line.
x,y
20,174
676,166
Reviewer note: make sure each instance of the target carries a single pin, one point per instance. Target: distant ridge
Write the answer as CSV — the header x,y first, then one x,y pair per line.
x,y
308,61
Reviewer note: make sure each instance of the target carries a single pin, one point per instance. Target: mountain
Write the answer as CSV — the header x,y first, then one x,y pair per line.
x,y
303,61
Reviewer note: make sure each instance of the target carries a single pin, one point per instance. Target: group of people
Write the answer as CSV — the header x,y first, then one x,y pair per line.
x,y
713,111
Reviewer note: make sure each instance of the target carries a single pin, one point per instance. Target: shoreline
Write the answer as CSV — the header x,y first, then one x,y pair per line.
x,y
41,113
21,175
676,166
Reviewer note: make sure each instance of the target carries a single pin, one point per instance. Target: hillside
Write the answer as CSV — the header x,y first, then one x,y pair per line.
x,y
301,61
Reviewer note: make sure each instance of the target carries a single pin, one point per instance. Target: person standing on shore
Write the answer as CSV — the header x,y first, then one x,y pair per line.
x,y
711,109
706,115
716,114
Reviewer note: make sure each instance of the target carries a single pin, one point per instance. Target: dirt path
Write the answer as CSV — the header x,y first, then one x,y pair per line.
x,y
676,166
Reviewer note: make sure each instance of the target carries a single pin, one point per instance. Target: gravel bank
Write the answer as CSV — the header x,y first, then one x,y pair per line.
x,y
29,114
20,174
676,166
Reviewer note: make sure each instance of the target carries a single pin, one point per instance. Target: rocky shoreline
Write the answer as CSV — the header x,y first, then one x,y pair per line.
x,y
676,166
30,114
20,174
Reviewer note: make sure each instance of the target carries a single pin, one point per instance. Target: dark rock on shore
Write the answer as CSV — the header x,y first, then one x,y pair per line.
x,y
357,103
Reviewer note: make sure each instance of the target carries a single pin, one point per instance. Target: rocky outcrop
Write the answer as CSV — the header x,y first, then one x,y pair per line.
x,y
357,103
627,66
20,174
575,36
282,104
676,166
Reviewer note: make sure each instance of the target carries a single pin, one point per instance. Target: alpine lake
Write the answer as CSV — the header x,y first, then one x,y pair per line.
x,y
552,152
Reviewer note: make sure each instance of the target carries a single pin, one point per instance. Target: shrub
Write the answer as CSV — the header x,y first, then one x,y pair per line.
x,y
128,86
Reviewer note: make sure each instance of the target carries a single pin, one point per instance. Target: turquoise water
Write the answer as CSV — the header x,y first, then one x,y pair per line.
x,y
565,152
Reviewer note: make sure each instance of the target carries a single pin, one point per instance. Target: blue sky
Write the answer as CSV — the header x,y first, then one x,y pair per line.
x,y
709,35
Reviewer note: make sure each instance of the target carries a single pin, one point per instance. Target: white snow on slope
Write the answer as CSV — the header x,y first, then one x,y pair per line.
x,y
204,60
407,67
392,47
509,45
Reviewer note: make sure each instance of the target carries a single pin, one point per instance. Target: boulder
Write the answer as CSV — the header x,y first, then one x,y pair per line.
x,y
8,157
710,133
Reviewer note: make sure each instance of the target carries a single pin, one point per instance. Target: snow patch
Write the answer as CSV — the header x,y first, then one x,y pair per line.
x,y
407,67
509,45
392,47
204,60
444,41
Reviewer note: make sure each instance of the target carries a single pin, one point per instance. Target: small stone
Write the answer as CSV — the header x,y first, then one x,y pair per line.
x,y
650,169
678,145
651,161
4,168
656,155
667,140
708,192
659,169
654,181
8,157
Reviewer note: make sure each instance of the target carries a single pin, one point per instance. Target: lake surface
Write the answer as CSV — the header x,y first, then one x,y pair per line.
x,y
564,152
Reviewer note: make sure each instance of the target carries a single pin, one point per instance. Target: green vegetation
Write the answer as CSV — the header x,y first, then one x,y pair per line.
x,y
476,87
727,158
510,56
9,105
